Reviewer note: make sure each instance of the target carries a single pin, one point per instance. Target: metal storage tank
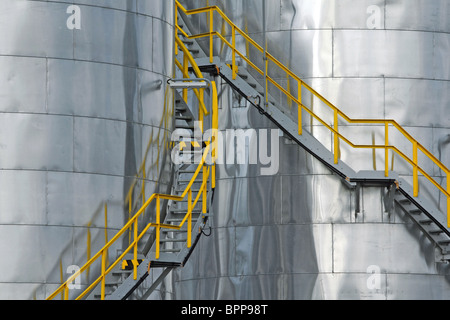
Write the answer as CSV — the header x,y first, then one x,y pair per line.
x,y
302,234
85,117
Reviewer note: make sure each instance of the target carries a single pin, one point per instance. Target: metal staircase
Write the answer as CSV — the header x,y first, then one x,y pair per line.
x,y
174,250
178,220
181,218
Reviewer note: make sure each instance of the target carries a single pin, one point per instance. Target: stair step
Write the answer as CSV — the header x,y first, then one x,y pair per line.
x,y
182,190
184,211
182,230
188,42
416,211
404,201
170,250
173,240
187,180
184,126
174,220
437,231
444,242
187,171
186,118
180,109
243,76
426,221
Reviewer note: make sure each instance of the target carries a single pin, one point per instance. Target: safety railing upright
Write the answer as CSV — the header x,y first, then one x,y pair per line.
x,y
213,13
205,169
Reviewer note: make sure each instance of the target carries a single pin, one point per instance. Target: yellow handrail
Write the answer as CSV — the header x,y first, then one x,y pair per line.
x,y
208,174
133,222
338,114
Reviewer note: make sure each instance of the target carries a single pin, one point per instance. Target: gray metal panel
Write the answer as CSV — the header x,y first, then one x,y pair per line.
x,y
163,10
36,245
441,47
99,146
380,53
346,94
32,28
39,142
303,200
31,206
107,36
392,247
418,15
127,5
404,287
323,14
22,82
79,199
84,89
422,98
162,48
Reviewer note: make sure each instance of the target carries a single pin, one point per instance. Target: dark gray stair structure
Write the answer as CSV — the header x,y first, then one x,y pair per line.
x,y
174,252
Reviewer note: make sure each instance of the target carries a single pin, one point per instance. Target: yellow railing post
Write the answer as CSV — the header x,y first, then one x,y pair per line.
x,y
189,227
158,227
185,73
103,275
266,81
336,137
215,129
448,198
233,44
300,109
386,149
135,249
204,194
176,29
415,170
211,35
66,292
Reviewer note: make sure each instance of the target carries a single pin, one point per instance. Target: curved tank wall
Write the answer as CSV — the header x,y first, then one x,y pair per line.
x,y
83,110
301,234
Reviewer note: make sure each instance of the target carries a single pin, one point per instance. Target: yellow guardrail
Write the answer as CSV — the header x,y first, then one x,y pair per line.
x,y
213,11
208,174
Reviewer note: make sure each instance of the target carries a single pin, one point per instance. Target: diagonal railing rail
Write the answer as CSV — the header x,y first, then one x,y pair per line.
x,y
269,62
205,169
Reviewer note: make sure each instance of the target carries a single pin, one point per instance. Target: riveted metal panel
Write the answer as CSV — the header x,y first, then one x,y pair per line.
x,y
22,82
34,28
39,142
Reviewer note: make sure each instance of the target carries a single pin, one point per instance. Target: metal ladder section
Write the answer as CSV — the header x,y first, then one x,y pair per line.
x,y
421,211
120,283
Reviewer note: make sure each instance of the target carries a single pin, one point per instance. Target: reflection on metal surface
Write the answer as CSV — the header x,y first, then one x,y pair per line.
x,y
322,240
84,130
84,133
